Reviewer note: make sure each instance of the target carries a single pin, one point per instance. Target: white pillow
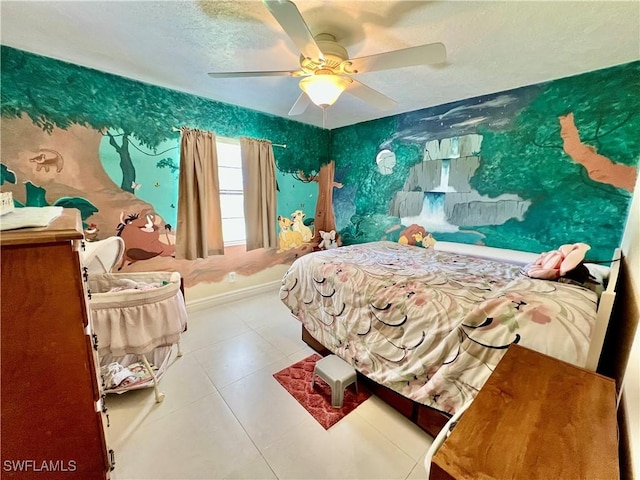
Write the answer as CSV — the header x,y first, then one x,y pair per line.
x,y
516,257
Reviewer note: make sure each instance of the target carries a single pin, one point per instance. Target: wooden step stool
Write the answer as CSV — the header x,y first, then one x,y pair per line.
x,y
338,374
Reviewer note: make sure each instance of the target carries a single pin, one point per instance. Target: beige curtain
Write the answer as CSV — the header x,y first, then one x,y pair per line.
x,y
259,179
199,219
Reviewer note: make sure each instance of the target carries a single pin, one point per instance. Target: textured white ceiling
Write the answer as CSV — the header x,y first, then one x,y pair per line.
x,y
491,46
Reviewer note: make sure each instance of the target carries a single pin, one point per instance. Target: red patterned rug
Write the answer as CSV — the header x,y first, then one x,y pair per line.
x,y
296,379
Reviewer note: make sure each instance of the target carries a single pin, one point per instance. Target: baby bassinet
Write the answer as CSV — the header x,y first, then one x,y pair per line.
x,y
137,317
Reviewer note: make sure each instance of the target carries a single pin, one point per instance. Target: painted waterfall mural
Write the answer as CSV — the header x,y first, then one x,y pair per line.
x,y
528,169
438,196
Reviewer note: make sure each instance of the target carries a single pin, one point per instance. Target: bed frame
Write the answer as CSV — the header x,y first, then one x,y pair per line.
x,y
427,418
431,420
605,307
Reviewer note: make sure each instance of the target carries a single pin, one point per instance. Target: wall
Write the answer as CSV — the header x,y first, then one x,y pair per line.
x,y
528,169
629,359
78,137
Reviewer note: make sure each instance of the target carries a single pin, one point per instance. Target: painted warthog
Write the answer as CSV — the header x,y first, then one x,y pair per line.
x,y
141,238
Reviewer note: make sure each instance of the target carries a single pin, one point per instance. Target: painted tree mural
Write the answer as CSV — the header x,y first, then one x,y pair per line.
x,y
529,159
91,117
148,114
136,116
523,154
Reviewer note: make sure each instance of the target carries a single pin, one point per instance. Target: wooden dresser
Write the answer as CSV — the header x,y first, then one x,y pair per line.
x,y
51,415
535,418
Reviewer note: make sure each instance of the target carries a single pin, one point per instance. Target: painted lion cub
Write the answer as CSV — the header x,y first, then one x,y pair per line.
x,y
297,218
288,238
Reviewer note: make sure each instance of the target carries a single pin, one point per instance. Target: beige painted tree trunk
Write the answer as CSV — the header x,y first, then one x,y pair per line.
x,y
599,168
81,173
325,218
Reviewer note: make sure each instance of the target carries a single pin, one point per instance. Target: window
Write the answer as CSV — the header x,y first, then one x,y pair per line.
x,y
231,191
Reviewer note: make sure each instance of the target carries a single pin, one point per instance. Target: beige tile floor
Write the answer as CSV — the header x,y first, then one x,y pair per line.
x,y
225,416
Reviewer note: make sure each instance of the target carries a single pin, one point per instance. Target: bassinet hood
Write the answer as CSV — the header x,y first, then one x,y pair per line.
x,y
101,256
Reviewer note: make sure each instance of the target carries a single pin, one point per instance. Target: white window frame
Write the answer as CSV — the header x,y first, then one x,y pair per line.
x,y
230,193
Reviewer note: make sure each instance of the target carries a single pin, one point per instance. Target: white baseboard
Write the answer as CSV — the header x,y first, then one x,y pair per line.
x,y
227,297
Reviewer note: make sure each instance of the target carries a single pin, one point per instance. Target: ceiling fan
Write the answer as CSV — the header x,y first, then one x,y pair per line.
x,y
325,66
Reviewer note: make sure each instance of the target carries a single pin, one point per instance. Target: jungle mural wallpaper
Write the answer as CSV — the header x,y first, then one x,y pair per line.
x,y
528,169
109,146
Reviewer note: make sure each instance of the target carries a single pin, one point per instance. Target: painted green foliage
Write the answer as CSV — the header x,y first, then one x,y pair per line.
x,y
169,163
57,94
6,175
524,157
567,206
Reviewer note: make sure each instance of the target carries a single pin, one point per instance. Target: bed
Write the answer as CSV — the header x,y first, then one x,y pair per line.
x,y
430,325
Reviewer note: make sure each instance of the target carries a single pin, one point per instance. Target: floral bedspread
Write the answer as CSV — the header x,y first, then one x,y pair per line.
x,y
433,325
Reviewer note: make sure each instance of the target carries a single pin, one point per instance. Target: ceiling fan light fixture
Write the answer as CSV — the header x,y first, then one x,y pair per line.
x,y
324,89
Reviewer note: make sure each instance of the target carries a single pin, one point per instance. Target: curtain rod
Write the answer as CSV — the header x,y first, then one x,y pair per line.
x,y
281,145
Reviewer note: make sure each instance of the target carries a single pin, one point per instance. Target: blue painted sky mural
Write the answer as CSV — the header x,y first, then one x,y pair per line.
x,y
495,112
157,173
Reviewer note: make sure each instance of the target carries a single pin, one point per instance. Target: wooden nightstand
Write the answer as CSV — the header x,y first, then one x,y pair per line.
x,y
535,418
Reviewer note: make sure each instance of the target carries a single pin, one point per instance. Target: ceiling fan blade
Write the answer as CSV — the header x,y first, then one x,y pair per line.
x,y
291,21
371,96
301,104
286,73
406,57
